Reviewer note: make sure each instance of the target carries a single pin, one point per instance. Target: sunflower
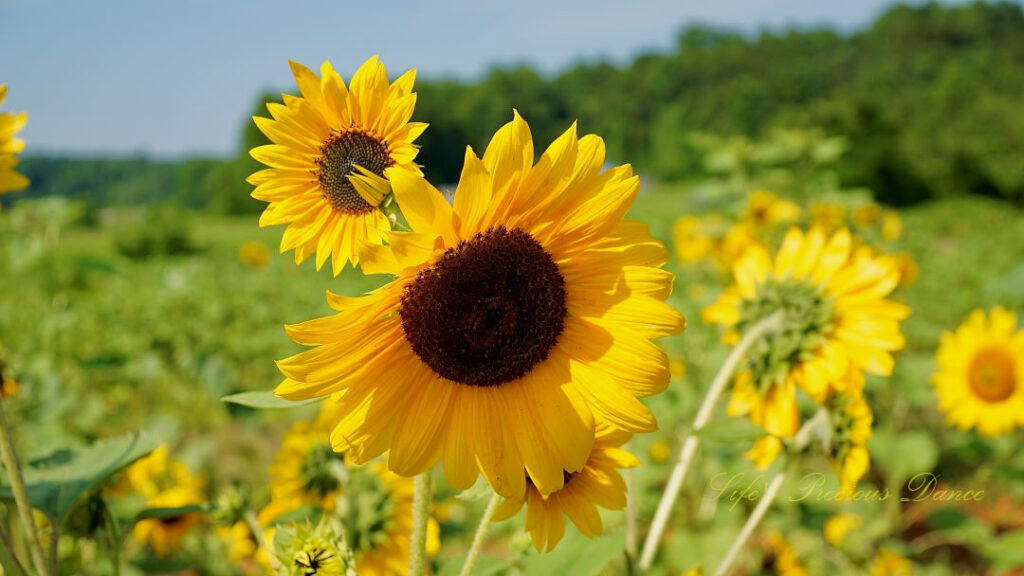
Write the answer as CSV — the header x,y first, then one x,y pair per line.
x,y
835,317
306,470
889,563
165,535
980,375
839,525
331,148
692,243
851,429
784,557
766,210
376,513
10,147
516,316
597,484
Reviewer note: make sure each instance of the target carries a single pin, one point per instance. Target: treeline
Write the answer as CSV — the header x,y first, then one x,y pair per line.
x,y
930,98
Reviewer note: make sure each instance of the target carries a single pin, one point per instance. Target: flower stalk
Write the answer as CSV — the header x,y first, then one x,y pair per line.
x,y
420,516
481,534
14,475
751,524
689,449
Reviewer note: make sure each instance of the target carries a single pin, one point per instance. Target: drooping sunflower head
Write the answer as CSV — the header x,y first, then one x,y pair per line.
x,y
306,469
10,147
980,375
326,167
376,514
765,209
518,315
851,419
834,316
598,484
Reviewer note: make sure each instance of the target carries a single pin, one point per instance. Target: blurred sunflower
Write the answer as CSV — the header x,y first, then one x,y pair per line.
x,y
835,317
376,513
306,470
254,254
829,216
851,429
330,150
243,549
784,557
889,563
980,376
518,315
10,147
692,243
892,225
765,450
767,210
838,526
165,535
597,484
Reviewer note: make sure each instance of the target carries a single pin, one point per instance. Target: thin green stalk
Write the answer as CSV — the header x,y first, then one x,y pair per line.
x,y
114,534
480,536
751,524
10,461
5,539
54,544
257,534
420,516
689,450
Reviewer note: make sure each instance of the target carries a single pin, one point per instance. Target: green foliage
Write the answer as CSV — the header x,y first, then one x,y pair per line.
x,y
163,231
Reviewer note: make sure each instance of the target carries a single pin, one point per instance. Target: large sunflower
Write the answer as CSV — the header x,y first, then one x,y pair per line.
x,y
516,316
326,166
10,147
835,317
597,484
980,376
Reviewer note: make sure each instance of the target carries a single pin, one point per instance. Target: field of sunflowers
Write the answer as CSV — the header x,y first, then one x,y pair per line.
x,y
548,367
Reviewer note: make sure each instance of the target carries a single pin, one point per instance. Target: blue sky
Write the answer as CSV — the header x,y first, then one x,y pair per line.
x,y
170,78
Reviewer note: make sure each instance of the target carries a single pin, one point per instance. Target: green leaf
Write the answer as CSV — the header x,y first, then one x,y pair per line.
x,y
174,512
265,399
1006,552
56,484
576,555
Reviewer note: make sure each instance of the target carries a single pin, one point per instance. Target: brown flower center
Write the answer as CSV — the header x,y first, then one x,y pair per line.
x,y
488,311
339,156
991,374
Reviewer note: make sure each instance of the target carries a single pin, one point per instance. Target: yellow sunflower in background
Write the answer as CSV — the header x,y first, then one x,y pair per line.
x,y
306,470
851,429
164,483
692,243
331,148
835,317
889,563
597,484
517,316
767,210
784,557
10,147
838,526
377,515
980,375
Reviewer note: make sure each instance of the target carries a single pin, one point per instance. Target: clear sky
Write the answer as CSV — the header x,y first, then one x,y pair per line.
x,y
170,78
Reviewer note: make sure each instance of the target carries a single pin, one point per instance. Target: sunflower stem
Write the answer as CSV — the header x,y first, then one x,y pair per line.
x,y
481,534
10,461
751,524
257,534
5,539
689,449
420,516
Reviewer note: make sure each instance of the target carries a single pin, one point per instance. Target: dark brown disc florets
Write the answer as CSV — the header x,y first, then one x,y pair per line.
x,y
339,156
488,311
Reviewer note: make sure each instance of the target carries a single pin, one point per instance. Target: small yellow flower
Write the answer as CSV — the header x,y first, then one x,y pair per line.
x,y
597,484
659,452
866,214
8,387
889,563
10,147
165,535
767,210
839,525
677,368
766,449
254,254
692,243
828,216
785,559
892,225
980,376
909,270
